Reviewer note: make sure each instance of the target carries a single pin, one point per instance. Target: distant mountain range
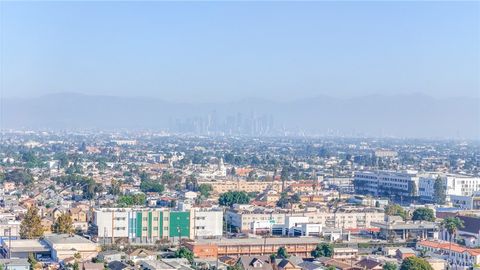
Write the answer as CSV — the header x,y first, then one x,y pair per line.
x,y
375,115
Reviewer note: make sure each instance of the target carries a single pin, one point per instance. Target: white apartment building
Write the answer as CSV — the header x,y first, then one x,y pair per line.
x,y
147,225
402,183
249,220
207,223
458,185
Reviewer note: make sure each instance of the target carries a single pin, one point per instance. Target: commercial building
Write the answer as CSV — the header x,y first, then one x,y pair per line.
x,y
53,247
396,228
387,183
257,219
455,185
66,246
211,248
148,225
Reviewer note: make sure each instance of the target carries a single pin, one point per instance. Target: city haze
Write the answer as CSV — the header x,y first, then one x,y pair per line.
x,y
406,69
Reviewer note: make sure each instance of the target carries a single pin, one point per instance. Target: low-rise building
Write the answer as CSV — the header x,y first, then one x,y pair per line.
x,y
65,246
396,228
455,254
211,248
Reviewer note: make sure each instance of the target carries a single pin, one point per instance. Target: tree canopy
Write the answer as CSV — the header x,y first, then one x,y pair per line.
x,y
322,250
232,197
31,226
452,224
130,200
415,263
439,192
205,190
63,224
282,253
423,213
185,253
395,210
19,176
390,266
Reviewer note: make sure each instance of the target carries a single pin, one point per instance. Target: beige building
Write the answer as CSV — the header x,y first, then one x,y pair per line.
x,y
347,218
66,246
242,185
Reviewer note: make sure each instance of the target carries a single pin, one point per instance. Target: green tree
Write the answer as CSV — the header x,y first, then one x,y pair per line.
x,y
151,186
63,224
115,187
232,197
19,176
451,224
32,261
439,193
395,210
205,190
285,200
135,199
185,253
390,266
31,226
423,213
282,253
415,263
91,188
331,267
322,250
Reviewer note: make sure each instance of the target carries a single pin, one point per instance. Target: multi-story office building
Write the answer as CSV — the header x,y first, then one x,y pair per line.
x,y
404,183
458,185
146,225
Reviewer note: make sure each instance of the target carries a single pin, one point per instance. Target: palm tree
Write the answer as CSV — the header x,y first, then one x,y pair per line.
x,y
451,224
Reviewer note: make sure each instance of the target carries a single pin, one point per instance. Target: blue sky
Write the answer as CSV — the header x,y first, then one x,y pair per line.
x,y
219,51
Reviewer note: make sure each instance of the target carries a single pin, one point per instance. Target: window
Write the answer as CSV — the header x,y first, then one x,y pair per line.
x,y
145,229
155,218
145,218
155,228
165,228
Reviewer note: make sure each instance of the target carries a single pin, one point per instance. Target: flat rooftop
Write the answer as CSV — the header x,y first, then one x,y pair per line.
x,y
260,241
27,245
67,239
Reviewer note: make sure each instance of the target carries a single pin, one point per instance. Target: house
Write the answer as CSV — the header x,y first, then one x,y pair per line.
x,y
142,254
255,263
342,265
285,264
403,253
93,266
111,255
47,224
165,264
78,214
117,265
28,203
313,265
369,263
345,253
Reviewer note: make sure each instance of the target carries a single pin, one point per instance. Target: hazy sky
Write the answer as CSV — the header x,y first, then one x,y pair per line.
x,y
217,51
